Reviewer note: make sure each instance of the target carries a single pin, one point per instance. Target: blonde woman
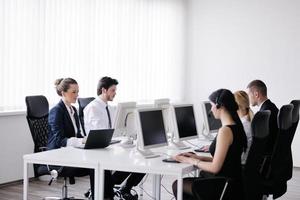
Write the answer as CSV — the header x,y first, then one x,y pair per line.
x,y
246,115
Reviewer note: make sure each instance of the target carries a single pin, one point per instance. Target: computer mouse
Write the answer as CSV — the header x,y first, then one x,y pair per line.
x,y
170,160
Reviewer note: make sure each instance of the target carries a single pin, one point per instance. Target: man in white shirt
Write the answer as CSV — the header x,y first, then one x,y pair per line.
x,y
98,115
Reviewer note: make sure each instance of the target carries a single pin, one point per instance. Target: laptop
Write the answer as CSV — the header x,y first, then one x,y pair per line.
x,y
98,138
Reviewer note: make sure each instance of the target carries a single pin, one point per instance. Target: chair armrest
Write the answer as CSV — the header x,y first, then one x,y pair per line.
x,y
265,167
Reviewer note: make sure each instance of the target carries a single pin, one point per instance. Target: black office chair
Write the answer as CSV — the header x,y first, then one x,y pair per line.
x,y
295,120
83,102
253,172
37,118
279,170
216,188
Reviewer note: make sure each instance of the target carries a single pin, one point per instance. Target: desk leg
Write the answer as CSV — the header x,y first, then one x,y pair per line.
x,y
179,188
156,186
101,183
96,185
25,180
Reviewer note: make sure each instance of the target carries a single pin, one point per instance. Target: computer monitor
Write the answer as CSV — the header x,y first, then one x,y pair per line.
x,y
151,130
184,124
162,103
124,121
211,124
186,127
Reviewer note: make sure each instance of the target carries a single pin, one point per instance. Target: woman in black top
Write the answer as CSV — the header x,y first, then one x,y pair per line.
x,y
226,149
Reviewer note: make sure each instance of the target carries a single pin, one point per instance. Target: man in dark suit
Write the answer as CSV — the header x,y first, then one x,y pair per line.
x,y
257,92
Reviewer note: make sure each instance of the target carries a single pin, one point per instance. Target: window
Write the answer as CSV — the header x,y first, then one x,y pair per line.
x,y
139,42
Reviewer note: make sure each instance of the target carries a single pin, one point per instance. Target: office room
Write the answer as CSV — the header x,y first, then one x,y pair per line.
x,y
182,50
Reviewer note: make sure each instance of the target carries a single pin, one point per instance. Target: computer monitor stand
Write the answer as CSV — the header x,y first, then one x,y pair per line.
x,y
147,153
208,136
179,145
128,142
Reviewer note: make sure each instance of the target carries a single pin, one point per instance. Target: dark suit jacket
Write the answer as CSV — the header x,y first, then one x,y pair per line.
x,y
268,105
61,126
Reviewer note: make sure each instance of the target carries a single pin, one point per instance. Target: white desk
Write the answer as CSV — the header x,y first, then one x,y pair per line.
x,y
113,157
118,158
65,157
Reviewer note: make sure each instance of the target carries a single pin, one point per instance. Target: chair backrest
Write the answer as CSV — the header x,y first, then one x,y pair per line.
x,y
83,102
254,168
281,164
295,120
37,118
260,131
295,117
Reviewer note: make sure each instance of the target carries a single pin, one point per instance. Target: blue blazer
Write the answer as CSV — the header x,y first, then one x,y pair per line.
x,y
61,126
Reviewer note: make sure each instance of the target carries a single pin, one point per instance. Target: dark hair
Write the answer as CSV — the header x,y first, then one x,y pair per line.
x,y
63,84
105,82
225,98
259,85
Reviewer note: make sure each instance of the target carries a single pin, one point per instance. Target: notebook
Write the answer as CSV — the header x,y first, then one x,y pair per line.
x,y
98,138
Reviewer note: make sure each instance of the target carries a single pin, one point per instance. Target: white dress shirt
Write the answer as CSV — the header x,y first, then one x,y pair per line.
x,y
95,115
71,114
247,128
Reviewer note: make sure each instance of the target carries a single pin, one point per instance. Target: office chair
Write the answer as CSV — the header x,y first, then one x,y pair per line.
x,y
279,169
295,120
83,102
37,118
253,172
216,188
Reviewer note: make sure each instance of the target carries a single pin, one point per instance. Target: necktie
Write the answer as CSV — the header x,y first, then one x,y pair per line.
x,y
71,111
74,121
108,115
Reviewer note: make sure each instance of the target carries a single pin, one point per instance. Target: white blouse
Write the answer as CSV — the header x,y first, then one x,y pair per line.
x,y
247,127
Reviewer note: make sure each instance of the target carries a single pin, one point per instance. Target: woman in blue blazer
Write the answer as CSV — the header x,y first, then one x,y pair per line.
x,y
64,130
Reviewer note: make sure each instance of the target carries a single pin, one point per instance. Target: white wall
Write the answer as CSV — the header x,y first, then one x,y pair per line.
x,y
15,142
232,42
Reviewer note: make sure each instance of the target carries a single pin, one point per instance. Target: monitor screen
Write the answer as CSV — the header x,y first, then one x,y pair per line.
x,y
152,128
186,123
211,123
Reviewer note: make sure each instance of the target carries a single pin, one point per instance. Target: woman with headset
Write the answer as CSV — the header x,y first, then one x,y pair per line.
x,y
226,149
